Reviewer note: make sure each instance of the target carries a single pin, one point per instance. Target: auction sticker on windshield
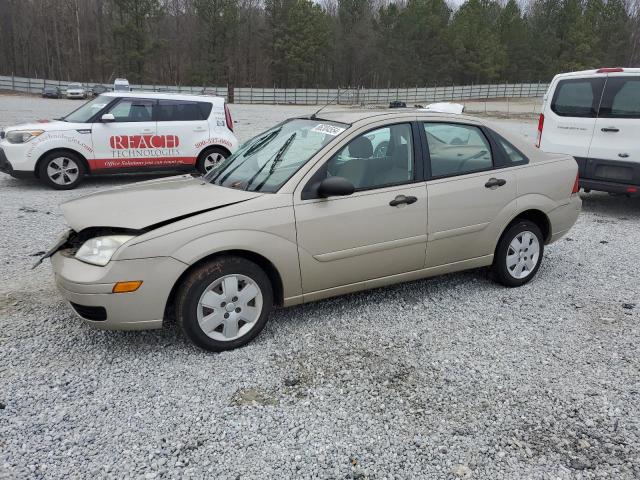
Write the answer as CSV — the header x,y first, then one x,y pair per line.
x,y
328,129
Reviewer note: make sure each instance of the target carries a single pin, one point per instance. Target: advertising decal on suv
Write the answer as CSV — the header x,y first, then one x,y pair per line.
x,y
143,150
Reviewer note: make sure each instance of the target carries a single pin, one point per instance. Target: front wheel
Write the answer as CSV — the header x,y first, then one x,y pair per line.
x,y
519,254
224,304
62,171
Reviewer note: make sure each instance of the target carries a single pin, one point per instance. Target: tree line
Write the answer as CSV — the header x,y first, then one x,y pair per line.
x,y
304,43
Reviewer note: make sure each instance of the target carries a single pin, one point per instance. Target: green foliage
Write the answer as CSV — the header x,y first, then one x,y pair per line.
x,y
309,43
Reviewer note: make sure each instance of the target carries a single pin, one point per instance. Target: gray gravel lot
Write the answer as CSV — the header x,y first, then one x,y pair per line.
x,y
451,377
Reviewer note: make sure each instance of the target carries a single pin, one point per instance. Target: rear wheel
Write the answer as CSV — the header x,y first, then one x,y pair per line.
x,y
61,170
210,158
224,304
519,253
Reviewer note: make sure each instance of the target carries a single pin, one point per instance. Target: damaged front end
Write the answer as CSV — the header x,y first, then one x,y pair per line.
x,y
70,242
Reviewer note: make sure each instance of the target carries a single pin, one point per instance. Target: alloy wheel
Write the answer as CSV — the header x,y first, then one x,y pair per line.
x,y
63,171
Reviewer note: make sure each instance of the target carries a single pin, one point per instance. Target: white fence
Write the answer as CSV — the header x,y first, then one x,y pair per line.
x,y
317,96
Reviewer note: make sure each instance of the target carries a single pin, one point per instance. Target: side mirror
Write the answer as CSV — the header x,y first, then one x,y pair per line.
x,y
107,118
335,187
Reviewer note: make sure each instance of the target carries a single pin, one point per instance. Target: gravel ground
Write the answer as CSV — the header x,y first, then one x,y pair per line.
x,y
479,381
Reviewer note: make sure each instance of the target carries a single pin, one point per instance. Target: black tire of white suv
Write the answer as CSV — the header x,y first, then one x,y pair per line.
x,y
61,170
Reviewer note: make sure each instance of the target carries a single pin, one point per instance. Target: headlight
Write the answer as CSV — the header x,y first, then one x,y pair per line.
x,y
22,136
99,250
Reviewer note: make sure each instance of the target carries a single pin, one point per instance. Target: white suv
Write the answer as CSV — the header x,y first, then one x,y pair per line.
x,y
121,132
594,115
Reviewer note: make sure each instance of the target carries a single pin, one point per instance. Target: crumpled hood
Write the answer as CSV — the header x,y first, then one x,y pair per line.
x,y
144,204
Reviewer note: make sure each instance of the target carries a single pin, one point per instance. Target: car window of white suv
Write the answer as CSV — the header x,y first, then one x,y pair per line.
x,y
621,98
577,97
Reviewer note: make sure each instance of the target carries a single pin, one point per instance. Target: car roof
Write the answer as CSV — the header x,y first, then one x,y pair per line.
x,y
353,117
164,96
600,71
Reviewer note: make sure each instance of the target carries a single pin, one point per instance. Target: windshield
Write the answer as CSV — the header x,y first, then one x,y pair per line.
x,y
266,162
88,110
75,85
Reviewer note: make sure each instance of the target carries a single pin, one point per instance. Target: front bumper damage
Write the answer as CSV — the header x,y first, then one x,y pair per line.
x,y
89,288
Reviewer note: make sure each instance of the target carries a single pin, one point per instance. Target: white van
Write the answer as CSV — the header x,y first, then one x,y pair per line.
x,y
594,115
121,85
121,132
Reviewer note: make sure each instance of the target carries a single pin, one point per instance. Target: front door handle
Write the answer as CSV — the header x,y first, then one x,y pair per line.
x,y
610,129
401,199
495,182
623,155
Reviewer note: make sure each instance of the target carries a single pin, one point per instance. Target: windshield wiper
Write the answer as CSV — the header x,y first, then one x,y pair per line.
x,y
274,164
261,143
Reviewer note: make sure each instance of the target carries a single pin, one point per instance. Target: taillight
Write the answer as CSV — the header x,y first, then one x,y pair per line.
x,y
540,127
227,116
576,184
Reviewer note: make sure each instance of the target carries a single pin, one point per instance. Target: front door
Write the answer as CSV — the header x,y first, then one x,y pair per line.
x,y
465,194
377,231
615,149
130,140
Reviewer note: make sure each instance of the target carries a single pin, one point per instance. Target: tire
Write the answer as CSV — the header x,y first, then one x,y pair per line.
x,y
70,165
207,312
210,158
519,242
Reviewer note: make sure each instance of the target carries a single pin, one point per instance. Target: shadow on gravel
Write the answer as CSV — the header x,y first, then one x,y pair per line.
x,y
619,206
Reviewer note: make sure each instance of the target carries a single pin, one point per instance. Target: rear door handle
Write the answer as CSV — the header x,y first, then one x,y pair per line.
x,y
495,182
610,129
401,199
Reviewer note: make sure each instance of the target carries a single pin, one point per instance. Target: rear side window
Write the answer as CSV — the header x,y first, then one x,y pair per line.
x,y
514,155
456,149
621,98
183,110
577,98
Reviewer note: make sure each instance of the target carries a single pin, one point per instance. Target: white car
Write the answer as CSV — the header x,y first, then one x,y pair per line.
x,y
121,85
121,132
594,115
76,90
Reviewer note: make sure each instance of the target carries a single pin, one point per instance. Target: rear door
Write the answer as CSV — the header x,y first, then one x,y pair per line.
x,y
186,122
614,154
128,141
468,198
570,117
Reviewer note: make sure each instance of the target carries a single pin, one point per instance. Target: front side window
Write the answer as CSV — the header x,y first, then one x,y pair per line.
x,y
456,149
183,110
88,110
133,110
266,162
621,98
577,97
376,159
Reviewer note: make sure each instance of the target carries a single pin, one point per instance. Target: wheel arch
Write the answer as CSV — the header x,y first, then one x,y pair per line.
x,y
263,262
216,146
84,160
534,215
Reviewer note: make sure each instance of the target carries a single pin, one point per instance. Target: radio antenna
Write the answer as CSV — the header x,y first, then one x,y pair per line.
x,y
313,117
